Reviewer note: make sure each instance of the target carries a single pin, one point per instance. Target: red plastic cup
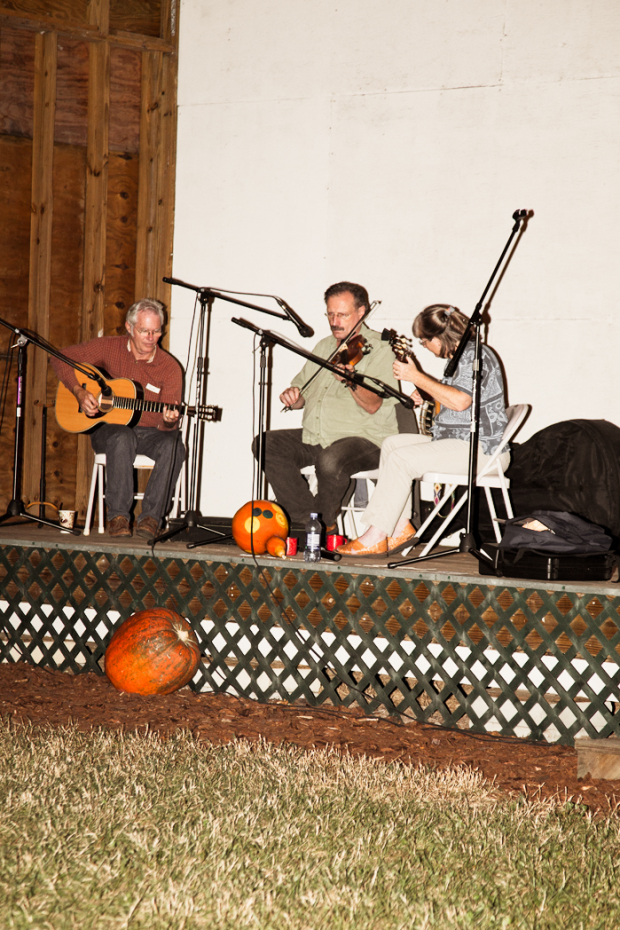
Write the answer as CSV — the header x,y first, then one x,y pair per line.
x,y
334,540
291,545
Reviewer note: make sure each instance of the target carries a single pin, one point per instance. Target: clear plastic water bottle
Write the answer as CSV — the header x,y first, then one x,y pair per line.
x,y
312,552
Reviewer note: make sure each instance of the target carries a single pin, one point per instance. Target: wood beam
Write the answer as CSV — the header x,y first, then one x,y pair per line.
x,y
95,226
96,190
168,20
85,32
157,170
98,15
42,207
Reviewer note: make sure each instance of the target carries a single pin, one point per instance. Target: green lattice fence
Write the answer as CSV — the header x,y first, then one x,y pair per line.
x,y
529,662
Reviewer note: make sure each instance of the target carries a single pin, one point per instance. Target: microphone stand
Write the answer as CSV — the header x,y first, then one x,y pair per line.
x,y
193,520
16,506
376,387
468,540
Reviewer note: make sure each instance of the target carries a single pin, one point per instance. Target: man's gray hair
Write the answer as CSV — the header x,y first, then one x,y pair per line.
x,y
147,303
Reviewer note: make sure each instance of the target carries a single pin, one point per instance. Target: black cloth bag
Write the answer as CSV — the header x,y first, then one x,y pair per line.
x,y
570,466
571,549
567,534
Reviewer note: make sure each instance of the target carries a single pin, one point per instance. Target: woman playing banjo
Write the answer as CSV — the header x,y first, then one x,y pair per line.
x,y
407,456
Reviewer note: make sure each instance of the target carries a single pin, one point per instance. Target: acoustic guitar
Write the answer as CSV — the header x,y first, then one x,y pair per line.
x,y
124,406
402,349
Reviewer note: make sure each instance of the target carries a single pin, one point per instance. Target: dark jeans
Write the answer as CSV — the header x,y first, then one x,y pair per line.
x,y
121,444
286,454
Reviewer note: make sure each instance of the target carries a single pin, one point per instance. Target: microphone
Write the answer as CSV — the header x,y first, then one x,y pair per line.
x,y
303,328
522,214
246,324
191,287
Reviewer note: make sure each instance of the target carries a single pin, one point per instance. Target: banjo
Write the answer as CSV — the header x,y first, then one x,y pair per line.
x,y
401,347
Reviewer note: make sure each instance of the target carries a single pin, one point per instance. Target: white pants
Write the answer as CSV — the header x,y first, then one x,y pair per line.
x,y
406,457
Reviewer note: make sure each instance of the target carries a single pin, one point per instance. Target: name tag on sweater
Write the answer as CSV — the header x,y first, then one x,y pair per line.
x,y
155,390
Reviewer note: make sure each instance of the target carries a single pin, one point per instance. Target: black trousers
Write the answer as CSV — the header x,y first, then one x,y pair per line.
x,y
285,454
121,444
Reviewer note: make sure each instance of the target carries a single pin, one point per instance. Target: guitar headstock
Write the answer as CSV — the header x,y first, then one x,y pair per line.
x,y
210,412
400,345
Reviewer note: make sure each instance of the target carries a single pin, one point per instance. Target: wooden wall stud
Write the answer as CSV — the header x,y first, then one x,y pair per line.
x,y
46,55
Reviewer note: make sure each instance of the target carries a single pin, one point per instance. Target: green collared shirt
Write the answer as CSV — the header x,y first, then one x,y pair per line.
x,y
331,413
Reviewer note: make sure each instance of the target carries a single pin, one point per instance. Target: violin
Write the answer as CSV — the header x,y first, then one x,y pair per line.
x,y
350,353
353,352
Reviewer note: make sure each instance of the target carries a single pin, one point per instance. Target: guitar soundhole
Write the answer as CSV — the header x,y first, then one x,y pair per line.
x,y
106,404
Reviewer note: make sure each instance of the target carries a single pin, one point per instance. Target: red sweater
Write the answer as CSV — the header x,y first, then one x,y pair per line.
x,y
161,378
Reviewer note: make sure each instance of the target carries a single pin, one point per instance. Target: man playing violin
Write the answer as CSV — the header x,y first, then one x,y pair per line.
x,y
343,424
138,357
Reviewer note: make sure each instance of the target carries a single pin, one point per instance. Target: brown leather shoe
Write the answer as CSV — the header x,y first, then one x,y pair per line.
x,y
147,527
119,526
358,549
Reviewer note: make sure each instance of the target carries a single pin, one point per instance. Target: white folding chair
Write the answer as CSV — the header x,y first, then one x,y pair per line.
x,y
347,524
97,484
491,476
349,511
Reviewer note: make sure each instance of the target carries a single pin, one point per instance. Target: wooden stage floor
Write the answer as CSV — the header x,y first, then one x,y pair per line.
x,y
458,567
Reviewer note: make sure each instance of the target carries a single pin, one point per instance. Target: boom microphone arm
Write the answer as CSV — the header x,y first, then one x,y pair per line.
x,y
289,313
376,387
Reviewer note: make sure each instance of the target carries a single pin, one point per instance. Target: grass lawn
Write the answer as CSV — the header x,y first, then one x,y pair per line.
x,y
122,831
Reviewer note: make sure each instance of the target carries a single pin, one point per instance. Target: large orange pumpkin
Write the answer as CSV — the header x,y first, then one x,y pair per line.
x,y
256,523
153,652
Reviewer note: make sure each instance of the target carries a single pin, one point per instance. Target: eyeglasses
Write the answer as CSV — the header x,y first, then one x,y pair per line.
x,y
338,316
148,332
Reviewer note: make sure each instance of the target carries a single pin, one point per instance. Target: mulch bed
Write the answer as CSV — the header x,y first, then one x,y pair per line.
x,y
535,769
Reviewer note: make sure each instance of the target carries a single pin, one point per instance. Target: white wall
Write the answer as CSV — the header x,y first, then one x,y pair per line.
x,y
390,143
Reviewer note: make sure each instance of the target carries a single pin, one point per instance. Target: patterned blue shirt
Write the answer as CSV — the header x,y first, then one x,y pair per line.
x,y
455,424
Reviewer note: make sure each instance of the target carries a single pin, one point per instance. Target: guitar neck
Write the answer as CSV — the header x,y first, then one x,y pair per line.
x,y
401,347
149,406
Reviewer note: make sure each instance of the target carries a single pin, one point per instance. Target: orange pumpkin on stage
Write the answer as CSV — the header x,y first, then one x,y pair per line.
x,y
153,652
256,523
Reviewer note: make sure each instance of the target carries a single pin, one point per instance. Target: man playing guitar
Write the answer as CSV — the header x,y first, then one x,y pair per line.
x,y
139,358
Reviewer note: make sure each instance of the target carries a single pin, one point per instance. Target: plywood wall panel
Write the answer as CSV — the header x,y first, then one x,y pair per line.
x,y
15,191
125,82
120,271
16,82
139,16
65,308
15,171
8,361
71,124
67,249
